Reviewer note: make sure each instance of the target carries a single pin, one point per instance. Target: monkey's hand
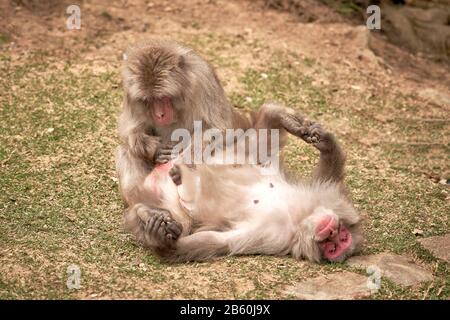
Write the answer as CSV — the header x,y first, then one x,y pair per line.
x,y
294,123
164,153
175,174
143,146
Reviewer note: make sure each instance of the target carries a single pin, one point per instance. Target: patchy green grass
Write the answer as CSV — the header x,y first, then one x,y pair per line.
x,y
60,204
4,38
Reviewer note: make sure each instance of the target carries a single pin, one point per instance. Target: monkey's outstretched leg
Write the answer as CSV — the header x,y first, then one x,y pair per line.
x,y
277,116
205,245
273,116
200,246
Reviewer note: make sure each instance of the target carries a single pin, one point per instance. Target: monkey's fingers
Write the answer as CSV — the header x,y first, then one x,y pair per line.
x,y
293,123
165,151
161,233
157,224
175,229
161,160
164,155
170,144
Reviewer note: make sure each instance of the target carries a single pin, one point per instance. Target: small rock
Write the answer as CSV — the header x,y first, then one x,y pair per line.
x,y
91,231
336,286
264,75
145,27
439,246
435,96
248,99
136,261
418,232
398,269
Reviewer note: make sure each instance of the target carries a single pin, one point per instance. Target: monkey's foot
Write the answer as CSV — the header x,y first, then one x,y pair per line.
x,y
175,174
316,135
160,229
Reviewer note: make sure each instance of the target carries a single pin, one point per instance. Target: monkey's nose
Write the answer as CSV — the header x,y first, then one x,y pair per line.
x,y
160,115
333,233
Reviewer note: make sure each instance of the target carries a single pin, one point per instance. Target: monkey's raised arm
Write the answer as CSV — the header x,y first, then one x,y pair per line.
x,y
332,158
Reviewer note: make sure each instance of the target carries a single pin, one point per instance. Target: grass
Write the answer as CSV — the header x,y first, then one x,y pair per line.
x,y
60,203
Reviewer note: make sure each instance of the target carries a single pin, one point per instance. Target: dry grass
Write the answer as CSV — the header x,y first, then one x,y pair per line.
x,y
58,192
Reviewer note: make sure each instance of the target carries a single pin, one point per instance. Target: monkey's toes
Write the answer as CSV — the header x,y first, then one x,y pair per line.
x,y
314,133
173,230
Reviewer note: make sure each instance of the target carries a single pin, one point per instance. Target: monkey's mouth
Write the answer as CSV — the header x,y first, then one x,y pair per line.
x,y
334,248
162,111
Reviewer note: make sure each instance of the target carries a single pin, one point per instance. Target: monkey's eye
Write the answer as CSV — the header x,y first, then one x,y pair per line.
x,y
143,101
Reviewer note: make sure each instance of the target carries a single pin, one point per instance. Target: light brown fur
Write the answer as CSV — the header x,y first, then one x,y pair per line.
x,y
154,70
231,210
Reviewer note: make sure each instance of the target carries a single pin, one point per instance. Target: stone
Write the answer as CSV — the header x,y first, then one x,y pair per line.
x,y
435,96
336,286
439,246
398,269
418,26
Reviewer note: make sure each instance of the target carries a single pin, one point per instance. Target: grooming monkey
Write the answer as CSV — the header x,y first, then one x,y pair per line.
x,y
231,210
168,86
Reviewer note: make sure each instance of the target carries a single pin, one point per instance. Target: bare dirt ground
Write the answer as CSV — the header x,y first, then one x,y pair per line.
x,y
60,95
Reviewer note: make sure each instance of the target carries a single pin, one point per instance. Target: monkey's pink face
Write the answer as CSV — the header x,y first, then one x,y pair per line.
x,y
334,239
162,111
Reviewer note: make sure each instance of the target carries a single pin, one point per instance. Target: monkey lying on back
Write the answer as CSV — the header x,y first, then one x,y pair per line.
x,y
230,210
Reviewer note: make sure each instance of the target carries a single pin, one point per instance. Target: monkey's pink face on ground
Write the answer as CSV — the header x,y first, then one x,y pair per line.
x,y
336,238
162,111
